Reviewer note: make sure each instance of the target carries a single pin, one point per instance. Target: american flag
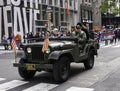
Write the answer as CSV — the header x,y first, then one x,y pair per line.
x,y
13,44
67,8
45,45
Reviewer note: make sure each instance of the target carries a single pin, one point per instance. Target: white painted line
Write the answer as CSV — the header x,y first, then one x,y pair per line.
x,y
2,47
102,45
116,46
2,52
41,87
106,46
1,79
79,89
11,84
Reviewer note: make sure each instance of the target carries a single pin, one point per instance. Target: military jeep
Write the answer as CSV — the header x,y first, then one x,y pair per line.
x,y
57,59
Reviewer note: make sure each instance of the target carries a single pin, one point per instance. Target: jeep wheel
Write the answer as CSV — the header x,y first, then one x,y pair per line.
x,y
61,69
89,63
26,74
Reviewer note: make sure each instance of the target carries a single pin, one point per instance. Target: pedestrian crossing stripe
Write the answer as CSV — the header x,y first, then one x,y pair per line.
x,y
1,79
11,85
41,87
79,89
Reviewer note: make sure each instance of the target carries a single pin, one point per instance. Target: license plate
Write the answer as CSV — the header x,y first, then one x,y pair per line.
x,y
30,67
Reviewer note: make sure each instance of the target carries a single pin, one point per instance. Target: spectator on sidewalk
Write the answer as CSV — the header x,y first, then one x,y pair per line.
x,y
18,40
5,42
11,36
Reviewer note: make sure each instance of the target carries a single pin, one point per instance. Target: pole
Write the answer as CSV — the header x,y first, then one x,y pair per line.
x,y
12,19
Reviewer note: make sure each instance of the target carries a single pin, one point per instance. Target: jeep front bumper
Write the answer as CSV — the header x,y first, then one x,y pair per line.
x,y
33,66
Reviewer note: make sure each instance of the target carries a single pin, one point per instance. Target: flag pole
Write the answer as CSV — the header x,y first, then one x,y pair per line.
x,y
67,13
12,19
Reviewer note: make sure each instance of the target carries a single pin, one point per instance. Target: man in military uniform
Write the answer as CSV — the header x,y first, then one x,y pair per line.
x,y
81,36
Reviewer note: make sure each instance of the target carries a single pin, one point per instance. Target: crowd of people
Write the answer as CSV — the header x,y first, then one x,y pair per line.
x,y
6,41
55,33
108,35
79,31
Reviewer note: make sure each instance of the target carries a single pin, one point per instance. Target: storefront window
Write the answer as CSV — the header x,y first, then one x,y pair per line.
x,y
62,15
56,2
50,2
44,1
57,17
44,13
83,14
61,3
70,2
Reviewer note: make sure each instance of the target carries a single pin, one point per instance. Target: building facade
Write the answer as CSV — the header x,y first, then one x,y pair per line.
x,y
23,16
109,20
86,14
96,13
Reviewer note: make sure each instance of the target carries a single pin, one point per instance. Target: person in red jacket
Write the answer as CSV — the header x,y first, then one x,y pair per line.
x,y
18,40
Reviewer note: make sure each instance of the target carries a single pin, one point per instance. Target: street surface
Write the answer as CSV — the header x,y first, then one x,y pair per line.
x,y
102,77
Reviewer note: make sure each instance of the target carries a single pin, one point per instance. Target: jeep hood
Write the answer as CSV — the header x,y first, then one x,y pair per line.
x,y
54,44
67,44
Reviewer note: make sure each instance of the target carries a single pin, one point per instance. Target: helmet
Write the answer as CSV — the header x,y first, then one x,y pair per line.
x,y
79,25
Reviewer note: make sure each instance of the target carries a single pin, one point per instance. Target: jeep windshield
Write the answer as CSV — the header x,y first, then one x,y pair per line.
x,y
33,40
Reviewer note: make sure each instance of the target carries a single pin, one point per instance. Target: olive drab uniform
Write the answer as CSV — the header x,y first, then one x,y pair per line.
x,y
81,36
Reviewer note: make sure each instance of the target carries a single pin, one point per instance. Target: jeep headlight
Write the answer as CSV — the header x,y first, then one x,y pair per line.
x,y
48,51
29,50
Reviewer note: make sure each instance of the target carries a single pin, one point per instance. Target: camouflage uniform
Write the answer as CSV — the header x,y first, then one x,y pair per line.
x,y
81,36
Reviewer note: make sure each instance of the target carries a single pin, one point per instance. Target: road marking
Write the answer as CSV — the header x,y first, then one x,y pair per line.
x,y
79,89
116,46
1,79
2,52
41,87
102,45
11,84
110,45
106,46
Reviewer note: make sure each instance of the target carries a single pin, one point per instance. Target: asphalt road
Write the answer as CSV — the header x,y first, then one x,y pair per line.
x,y
106,63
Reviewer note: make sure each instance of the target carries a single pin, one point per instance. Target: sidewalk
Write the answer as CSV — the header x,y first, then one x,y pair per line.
x,y
110,83
2,47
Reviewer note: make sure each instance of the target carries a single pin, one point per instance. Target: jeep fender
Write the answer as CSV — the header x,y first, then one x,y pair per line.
x,y
92,48
56,54
20,54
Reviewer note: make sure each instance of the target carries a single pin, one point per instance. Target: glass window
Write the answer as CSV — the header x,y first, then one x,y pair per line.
x,y
57,17
62,15
61,3
75,4
89,1
86,14
70,2
50,2
44,1
83,14
56,2
44,13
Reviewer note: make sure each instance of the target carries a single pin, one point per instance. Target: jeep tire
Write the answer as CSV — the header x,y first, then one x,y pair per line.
x,y
61,69
26,74
89,63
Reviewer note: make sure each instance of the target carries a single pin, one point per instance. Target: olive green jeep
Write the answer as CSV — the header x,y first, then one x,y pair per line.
x,y
57,59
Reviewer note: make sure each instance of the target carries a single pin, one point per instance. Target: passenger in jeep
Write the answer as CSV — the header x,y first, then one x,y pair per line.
x,y
81,35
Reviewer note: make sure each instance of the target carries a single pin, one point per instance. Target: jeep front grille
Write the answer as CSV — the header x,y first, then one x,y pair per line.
x,y
37,54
